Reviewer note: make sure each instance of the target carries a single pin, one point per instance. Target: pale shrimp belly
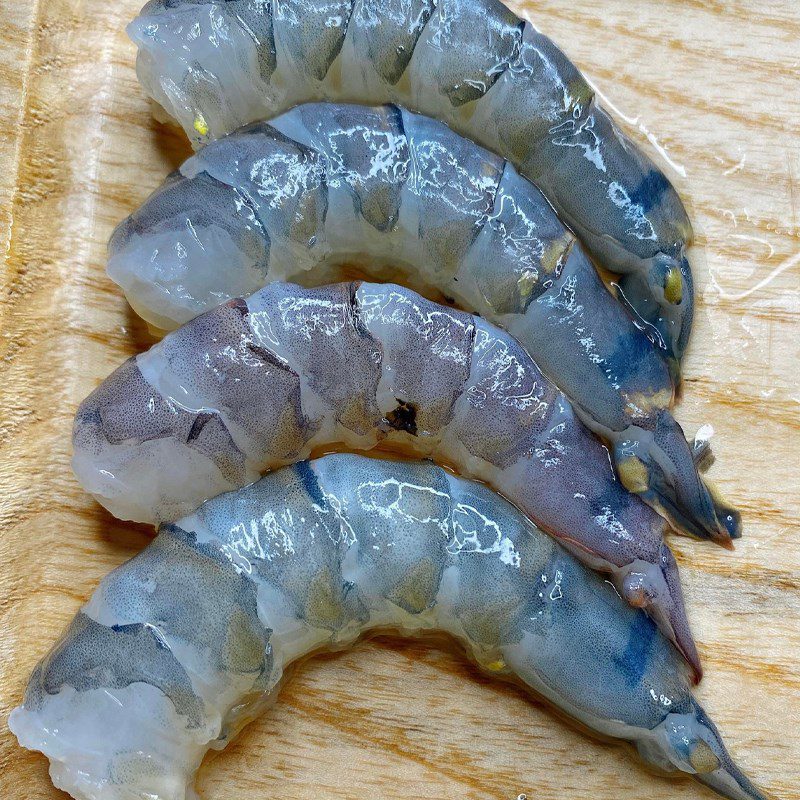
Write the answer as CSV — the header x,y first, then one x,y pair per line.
x,y
182,646
258,383
391,191
215,66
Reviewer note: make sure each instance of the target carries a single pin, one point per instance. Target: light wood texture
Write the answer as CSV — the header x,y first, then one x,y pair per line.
x,y
715,84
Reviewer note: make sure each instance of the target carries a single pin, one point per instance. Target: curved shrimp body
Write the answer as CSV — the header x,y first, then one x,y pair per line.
x,y
326,184
258,383
179,648
215,66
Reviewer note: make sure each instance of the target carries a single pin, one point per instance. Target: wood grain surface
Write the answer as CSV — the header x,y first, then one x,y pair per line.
x,y
714,85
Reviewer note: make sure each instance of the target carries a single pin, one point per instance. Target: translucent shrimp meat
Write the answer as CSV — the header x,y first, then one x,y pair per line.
x,y
255,384
181,647
384,189
473,64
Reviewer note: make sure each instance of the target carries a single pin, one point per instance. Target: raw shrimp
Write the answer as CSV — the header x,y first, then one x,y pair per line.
x,y
254,384
326,184
182,646
215,66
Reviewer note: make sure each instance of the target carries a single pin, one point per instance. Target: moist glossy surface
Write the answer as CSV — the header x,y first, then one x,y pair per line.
x,y
183,645
387,190
215,66
258,383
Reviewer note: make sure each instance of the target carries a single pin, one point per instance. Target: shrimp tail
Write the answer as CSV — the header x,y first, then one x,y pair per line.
x,y
730,781
676,613
662,299
663,468
657,590
691,743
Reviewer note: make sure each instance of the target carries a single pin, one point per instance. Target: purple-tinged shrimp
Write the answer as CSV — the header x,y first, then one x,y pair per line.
x,y
379,187
258,383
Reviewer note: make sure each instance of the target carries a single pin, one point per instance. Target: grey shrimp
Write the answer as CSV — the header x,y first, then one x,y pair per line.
x,y
258,383
181,647
385,189
493,77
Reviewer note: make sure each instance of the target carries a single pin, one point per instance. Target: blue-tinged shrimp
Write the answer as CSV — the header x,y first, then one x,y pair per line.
x,y
215,66
258,383
181,647
379,187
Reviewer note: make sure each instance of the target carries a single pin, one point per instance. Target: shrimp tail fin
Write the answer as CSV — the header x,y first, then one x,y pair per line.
x,y
663,468
690,743
727,779
657,590
676,609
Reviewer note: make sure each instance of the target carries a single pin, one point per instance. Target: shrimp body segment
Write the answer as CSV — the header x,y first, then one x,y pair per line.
x,y
385,189
255,384
182,646
215,66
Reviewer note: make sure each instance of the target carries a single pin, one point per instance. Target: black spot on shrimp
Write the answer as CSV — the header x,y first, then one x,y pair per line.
x,y
404,417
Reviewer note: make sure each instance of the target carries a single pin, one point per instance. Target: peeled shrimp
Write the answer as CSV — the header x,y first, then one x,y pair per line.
x,y
326,184
181,647
254,384
215,66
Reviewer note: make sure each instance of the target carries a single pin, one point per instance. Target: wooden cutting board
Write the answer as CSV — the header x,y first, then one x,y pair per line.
x,y
713,85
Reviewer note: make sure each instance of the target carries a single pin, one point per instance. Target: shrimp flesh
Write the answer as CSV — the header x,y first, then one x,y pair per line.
x,y
255,384
473,64
381,188
182,646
